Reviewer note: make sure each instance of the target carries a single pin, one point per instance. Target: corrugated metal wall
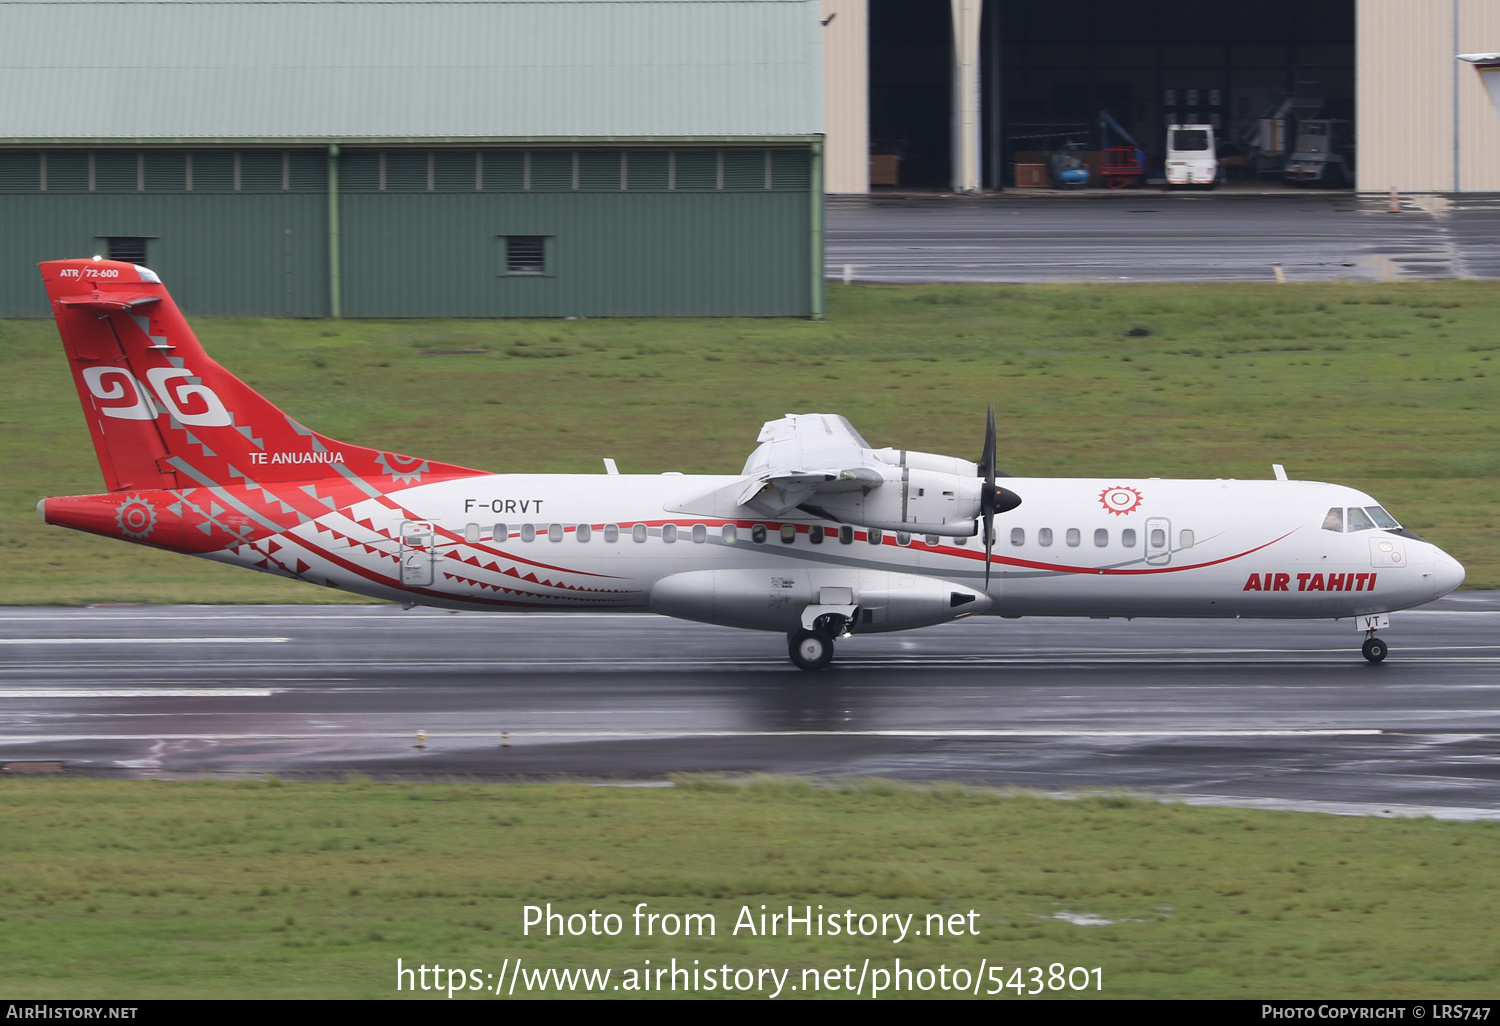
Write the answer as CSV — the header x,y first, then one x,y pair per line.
x,y
1426,123
643,232
1479,121
846,89
608,254
142,69
223,255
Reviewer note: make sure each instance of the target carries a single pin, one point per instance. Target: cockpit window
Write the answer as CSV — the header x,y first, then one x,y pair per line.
x,y
1359,520
1334,521
1381,517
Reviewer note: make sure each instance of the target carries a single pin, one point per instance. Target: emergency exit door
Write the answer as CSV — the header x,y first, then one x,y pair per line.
x,y
1158,541
416,553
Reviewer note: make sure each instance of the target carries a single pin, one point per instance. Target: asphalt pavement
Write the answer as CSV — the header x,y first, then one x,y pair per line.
x,y
1148,235
1208,710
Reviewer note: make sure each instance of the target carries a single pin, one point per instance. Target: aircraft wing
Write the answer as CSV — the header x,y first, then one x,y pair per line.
x,y
805,453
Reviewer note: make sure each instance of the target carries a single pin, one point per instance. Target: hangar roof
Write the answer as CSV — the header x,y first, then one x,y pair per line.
x,y
127,70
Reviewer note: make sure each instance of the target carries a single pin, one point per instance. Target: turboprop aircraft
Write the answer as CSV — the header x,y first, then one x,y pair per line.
x,y
820,536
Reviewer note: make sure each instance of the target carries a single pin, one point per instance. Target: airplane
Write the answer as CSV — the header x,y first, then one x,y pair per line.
x,y
819,537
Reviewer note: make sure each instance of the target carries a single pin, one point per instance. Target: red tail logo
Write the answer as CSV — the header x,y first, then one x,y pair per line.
x,y
168,423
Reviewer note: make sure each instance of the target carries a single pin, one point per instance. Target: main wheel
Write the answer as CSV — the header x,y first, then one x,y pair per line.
x,y
810,650
1374,649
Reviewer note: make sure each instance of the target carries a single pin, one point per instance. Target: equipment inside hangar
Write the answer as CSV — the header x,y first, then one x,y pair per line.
x,y
1048,73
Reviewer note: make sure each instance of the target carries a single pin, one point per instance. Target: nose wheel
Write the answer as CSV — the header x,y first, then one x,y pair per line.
x,y
810,650
1374,649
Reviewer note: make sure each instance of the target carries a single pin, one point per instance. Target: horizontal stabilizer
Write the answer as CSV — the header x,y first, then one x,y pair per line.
x,y
100,301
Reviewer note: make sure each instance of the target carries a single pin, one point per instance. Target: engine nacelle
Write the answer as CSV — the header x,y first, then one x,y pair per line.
x,y
910,499
773,600
935,462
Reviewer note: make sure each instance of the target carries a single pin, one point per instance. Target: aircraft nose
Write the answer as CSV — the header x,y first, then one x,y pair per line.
x,y
1447,573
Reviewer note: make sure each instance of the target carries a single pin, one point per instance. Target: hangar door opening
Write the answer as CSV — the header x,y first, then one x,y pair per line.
x,y
1048,71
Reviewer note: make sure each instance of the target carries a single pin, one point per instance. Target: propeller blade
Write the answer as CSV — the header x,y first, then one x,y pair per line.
x,y
989,545
987,501
987,461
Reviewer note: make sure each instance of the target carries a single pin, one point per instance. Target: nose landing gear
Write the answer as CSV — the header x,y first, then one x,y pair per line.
x,y
1374,649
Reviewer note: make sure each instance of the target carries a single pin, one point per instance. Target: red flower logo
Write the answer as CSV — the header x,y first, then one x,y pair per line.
x,y
1120,500
136,517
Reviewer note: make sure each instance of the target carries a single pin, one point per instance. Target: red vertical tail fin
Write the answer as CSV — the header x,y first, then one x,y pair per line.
x,y
164,415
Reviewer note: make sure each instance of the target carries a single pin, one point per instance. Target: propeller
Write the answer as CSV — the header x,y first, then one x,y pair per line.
x,y
992,500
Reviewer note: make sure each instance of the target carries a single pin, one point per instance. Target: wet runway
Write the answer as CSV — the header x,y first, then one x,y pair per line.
x,y
1244,710
1148,235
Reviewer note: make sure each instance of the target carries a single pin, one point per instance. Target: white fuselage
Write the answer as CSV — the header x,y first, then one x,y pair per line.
x,y
1183,548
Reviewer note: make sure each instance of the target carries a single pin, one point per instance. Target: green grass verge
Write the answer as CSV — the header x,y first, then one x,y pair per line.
x,y
1388,387
213,889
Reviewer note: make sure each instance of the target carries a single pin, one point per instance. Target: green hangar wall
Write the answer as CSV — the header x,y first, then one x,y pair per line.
x,y
491,232
489,158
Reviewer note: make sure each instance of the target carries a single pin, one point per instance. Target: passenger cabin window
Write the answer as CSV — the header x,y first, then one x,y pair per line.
x,y
1044,536
1127,537
502,532
815,535
528,532
903,538
1158,538
730,534
788,534
638,532
934,540
1334,521
1018,536
583,532
1359,520
668,532
700,534
874,536
1187,538
471,533
758,534
846,536
555,532
1074,537
611,532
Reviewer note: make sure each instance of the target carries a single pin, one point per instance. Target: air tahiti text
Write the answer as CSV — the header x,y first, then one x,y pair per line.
x,y
1310,582
265,458
504,505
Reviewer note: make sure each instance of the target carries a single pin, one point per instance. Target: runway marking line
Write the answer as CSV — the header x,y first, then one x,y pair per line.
x,y
144,641
138,692
648,735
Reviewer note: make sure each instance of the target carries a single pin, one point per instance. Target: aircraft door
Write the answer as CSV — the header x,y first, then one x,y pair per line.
x,y
417,553
1158,541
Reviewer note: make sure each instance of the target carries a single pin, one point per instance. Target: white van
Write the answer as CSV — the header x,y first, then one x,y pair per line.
x,y
1191,158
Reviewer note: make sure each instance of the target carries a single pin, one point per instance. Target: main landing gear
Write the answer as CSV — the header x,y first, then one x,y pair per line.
x,y
810,650
1374,649
813,649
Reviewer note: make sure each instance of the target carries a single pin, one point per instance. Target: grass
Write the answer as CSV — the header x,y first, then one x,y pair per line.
x,y
1387,387
167,889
